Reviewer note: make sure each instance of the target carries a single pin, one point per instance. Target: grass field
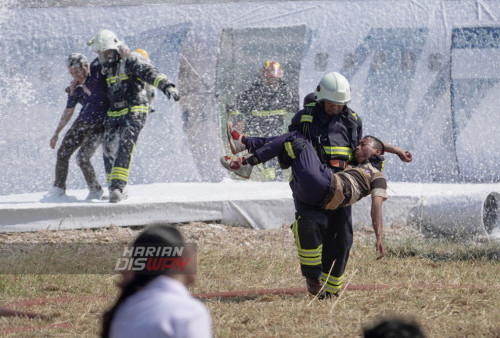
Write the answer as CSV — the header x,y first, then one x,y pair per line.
x,y
450,289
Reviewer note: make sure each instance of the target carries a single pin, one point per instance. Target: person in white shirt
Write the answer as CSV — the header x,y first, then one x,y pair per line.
x,y
158,304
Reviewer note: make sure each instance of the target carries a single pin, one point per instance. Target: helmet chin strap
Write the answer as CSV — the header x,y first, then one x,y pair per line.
x,y
109,61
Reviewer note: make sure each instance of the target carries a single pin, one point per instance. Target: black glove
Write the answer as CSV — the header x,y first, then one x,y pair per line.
x,y
297,144
284,160
171,92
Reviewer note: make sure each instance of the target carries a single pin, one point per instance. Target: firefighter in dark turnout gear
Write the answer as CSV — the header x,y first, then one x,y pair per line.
x,y
313,182
126,74
261,109
324,238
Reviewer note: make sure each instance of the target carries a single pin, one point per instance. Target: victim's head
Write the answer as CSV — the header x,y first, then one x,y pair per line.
x,y
78,67
368,147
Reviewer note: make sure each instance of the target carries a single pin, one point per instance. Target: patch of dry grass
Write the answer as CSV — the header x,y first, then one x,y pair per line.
x,y
232,259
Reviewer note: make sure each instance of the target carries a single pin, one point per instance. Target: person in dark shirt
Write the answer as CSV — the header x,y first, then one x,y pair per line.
x,y
88,88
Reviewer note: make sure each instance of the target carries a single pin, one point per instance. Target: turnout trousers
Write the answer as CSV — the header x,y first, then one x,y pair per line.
x,y
323,237
324,240
120,137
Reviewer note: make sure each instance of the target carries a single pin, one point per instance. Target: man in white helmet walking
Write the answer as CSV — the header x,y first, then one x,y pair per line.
x,y
126,75
324,238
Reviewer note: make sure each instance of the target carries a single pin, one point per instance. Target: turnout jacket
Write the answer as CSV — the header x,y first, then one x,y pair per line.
x,y
263,108
333,137
126,84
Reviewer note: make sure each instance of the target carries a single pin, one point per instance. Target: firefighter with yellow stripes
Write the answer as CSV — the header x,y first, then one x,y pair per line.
x,y
324,238
313,183
262,109
127,74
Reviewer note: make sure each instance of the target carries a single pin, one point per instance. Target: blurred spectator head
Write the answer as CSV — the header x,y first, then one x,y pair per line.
x,y
394,328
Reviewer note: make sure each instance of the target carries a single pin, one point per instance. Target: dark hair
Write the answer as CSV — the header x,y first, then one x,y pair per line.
x,y
377,144
158,234
394,328
77,60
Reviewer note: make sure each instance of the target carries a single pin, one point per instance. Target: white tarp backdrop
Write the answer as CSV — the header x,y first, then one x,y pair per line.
x,y
424,76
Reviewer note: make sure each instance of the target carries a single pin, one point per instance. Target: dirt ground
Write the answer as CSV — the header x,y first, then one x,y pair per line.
x,y
450,289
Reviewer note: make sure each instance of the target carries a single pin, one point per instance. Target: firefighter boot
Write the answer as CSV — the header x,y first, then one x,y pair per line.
x,y
314,287
331,294
235,138
235,164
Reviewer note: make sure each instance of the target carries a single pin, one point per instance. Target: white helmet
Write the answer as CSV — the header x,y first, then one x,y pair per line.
x,y
104,40
333,87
